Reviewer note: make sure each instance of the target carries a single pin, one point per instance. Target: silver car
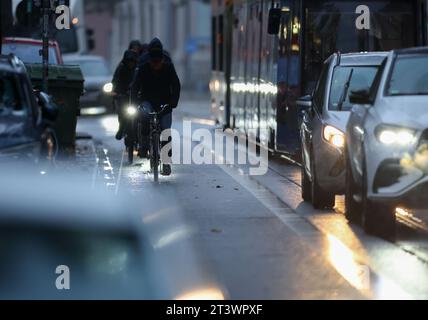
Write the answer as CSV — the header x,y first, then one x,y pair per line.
x,y
97,98
325,116
387,144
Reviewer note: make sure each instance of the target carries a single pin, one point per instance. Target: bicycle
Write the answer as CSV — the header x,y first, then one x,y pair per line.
x,y
129,128
154,151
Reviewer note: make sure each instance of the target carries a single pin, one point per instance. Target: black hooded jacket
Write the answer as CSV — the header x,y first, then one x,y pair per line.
x,y
123,75
158,87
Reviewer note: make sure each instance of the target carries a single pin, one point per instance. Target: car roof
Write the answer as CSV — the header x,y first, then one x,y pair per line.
x,y
416,50
52,43
362,58
86,57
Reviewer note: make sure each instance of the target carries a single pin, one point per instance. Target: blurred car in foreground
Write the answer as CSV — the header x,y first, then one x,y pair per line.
x,y
25,118
28,50
62,239
325,116
98,87
387,144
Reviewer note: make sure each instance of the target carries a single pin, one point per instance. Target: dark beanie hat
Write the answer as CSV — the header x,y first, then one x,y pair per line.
x,y
156,48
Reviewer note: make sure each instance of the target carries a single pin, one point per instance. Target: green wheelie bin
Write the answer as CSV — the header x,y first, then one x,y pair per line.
x,y
66,86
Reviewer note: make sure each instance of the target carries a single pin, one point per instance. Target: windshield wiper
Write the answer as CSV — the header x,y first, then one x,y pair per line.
x,y
345,91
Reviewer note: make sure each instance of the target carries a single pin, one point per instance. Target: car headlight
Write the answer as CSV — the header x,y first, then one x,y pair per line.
x,y
108,88
131,111
390,135
334,136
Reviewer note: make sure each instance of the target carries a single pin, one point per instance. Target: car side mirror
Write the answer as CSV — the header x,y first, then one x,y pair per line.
x,y
274,21
36,93
305,103
50,110
360,96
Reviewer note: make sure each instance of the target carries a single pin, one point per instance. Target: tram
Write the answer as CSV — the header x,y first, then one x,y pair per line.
x,y
266,54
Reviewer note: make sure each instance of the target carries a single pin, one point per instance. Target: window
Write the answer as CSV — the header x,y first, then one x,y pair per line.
x,y
362,78
409,76
214,44
67,40
320,89
9,96
330,27
93,68
221,44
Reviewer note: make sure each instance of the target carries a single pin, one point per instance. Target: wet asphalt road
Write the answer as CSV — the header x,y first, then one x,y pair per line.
x,y
255,235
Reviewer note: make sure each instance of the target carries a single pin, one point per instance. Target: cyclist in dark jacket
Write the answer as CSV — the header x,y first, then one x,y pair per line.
x,y
136,45
122,80
155,84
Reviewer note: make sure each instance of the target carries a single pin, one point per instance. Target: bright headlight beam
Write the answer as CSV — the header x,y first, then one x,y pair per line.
x,y
108,88
131,110
388,137
399,137
334,136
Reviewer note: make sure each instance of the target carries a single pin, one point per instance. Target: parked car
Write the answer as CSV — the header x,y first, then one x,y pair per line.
x,y
28,50
387,143
98,86
62,239
325,116
25,117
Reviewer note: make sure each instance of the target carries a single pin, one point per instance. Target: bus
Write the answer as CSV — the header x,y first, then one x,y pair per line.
x,y
257,74
72,42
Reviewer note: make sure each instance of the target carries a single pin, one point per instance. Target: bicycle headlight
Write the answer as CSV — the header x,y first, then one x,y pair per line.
x,y
334,136
108,88
390,135
131,111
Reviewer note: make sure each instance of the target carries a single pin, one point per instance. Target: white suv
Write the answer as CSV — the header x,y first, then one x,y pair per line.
x,y
387,144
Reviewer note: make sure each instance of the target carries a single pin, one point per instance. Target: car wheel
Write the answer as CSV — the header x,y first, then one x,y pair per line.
x,y
320,198
377,218
306,183
352,207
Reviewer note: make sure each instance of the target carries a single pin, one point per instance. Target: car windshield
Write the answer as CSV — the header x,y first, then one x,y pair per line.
x,y
29,53
409,76
93,68
362,78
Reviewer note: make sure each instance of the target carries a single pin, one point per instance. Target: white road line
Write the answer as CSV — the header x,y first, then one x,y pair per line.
x,y
95,173
120,174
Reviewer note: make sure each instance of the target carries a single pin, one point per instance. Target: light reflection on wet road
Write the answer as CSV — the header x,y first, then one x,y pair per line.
x,y
257,236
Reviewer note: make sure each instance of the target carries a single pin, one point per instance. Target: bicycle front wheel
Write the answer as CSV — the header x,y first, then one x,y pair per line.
x,y
155,157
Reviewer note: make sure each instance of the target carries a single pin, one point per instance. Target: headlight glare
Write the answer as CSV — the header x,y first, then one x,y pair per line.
x,y
108,88
396,136
334,136
131,110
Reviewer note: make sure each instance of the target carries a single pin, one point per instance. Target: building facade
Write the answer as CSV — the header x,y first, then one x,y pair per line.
x,y
182,25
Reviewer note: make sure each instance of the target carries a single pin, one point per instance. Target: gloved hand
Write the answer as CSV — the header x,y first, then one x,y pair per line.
x,y
166,109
